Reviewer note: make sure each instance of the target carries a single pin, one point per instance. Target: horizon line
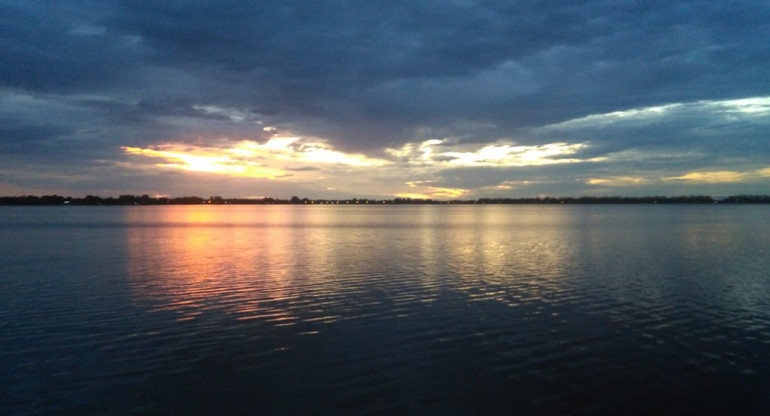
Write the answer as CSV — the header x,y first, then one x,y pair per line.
x,y
130,199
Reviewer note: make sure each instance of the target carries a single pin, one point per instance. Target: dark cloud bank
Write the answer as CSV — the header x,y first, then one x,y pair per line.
x,y
80,78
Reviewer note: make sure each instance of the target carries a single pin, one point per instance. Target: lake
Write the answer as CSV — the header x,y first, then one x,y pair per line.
x,y
359,310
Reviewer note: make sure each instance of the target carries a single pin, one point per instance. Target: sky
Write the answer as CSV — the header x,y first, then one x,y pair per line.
x,y
381,99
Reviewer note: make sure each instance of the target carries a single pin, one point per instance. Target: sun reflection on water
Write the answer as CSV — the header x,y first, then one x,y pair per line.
x,y
194,259
487,254
272,263
292,265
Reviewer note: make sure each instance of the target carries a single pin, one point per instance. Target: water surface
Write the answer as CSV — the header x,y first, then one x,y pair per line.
x,y
448,309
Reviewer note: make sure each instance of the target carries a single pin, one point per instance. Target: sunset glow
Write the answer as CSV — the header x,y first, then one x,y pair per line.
x,y
710,177
221,164
501,154
293,158
618,181
246,158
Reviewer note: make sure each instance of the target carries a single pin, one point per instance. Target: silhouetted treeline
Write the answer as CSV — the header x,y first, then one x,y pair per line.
x,y
130,200
747,199
217,200
700,199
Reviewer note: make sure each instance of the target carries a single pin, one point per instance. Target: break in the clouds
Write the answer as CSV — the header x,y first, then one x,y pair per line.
x,y
440,99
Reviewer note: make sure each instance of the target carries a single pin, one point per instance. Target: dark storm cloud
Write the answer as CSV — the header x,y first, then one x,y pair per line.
x,y
61,46
375,74
402,62
527,66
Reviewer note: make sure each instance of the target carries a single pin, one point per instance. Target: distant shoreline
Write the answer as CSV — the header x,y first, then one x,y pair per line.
x,y
124,200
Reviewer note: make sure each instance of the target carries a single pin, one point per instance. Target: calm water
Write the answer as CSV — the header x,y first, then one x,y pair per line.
x,y
434,310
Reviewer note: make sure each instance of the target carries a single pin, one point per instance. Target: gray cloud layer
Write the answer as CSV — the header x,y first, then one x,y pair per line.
x,y
80,78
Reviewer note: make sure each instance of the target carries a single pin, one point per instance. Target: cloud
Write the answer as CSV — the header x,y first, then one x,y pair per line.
x,y
701,134
501,154
432,192
473,95
62,47
618,181
279,158
710,177
723,176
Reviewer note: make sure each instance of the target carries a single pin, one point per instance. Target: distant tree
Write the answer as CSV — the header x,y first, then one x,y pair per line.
x,y
92,200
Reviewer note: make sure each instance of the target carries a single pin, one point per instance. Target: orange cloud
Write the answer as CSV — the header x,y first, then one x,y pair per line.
x,y
251,159
221,164
722,176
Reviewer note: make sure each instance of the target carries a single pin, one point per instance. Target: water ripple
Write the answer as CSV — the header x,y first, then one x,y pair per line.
x,y
474,310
